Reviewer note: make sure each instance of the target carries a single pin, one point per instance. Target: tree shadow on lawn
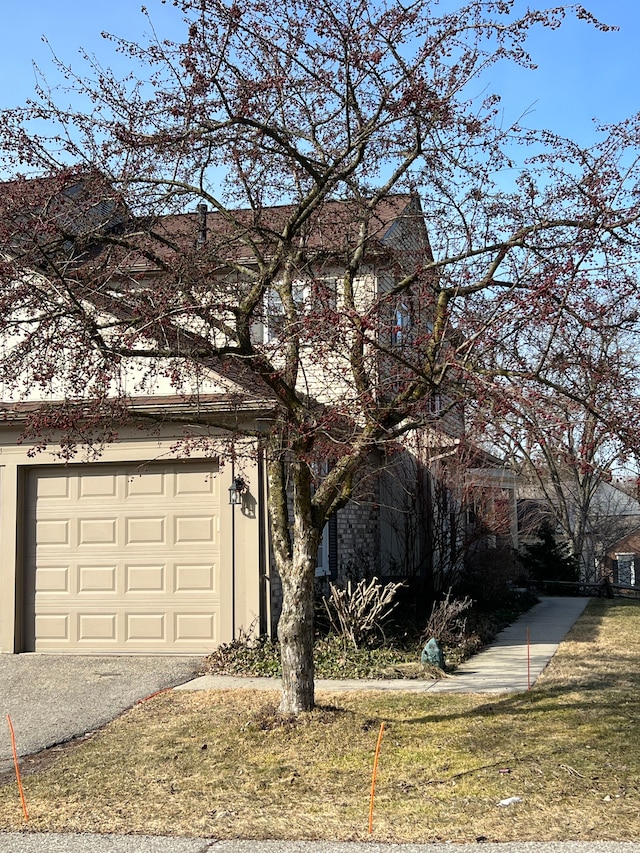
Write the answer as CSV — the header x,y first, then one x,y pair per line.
x,y
605,692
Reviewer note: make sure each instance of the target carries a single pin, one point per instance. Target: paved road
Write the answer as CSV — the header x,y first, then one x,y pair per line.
x,y
53,698
19,843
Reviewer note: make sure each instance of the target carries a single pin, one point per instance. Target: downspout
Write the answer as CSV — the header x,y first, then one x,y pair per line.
x,y
263,601
233,559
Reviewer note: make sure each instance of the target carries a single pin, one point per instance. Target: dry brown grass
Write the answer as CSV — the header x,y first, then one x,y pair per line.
x,y
224,765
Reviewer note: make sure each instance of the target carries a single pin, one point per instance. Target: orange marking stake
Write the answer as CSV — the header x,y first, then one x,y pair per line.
x,y
17,766
528,660
373,780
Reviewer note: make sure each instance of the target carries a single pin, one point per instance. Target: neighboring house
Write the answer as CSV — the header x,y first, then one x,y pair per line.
x,y
622,561
147,549
612,522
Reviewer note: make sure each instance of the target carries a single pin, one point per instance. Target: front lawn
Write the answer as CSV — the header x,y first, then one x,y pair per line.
x,y
222,764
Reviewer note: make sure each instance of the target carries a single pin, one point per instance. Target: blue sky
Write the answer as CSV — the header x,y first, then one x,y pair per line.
x,y
582,73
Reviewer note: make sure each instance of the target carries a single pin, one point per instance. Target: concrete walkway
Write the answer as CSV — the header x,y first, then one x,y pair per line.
x,y
500,668
503,667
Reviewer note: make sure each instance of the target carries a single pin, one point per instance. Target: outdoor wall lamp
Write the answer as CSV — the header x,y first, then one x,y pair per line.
x,y
236,490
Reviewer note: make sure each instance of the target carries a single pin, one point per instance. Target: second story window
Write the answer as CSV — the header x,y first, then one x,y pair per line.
x,y
275,314
309,296
435,403
401,325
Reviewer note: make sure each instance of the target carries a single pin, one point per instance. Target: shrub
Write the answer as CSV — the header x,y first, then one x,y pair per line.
x,y
446,623
246,655
357,613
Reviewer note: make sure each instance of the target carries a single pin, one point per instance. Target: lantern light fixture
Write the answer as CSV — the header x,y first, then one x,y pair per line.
x,y
236,490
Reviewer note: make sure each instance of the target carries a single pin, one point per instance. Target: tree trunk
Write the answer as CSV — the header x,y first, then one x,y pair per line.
x,y
296,635
295,547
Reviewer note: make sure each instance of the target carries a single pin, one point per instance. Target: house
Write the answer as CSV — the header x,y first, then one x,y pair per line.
x,y
608,515
159,542
619,556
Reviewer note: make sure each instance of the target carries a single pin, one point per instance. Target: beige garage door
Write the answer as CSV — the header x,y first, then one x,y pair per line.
x,y
124,559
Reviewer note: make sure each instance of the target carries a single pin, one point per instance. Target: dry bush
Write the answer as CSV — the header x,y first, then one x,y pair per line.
x,y
446,622
357,613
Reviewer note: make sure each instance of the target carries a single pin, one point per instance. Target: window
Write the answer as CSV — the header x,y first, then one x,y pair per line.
x,y
322,564
308,294
402,324
327,555
275,312
626,569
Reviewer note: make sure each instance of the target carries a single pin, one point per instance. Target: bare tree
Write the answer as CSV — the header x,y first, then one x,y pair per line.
x,y
326,111
567,446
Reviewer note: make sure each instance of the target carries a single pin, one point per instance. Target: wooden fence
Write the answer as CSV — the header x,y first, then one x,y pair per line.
x,y
597,589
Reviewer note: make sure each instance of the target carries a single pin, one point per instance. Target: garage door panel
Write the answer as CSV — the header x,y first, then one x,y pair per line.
x,y
198,627
89,591
53,488
196,577
97,627
146,531
97,531
93,579
55,579
195,528
146,626
190,483
53,531
53,628
97,486
149,485
145,579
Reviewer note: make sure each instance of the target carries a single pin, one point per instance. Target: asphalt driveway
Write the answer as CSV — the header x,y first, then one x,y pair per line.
x,y
53,698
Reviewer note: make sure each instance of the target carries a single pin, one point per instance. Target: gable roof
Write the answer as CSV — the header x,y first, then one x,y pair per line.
x,y
45,212
51,213
239,236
